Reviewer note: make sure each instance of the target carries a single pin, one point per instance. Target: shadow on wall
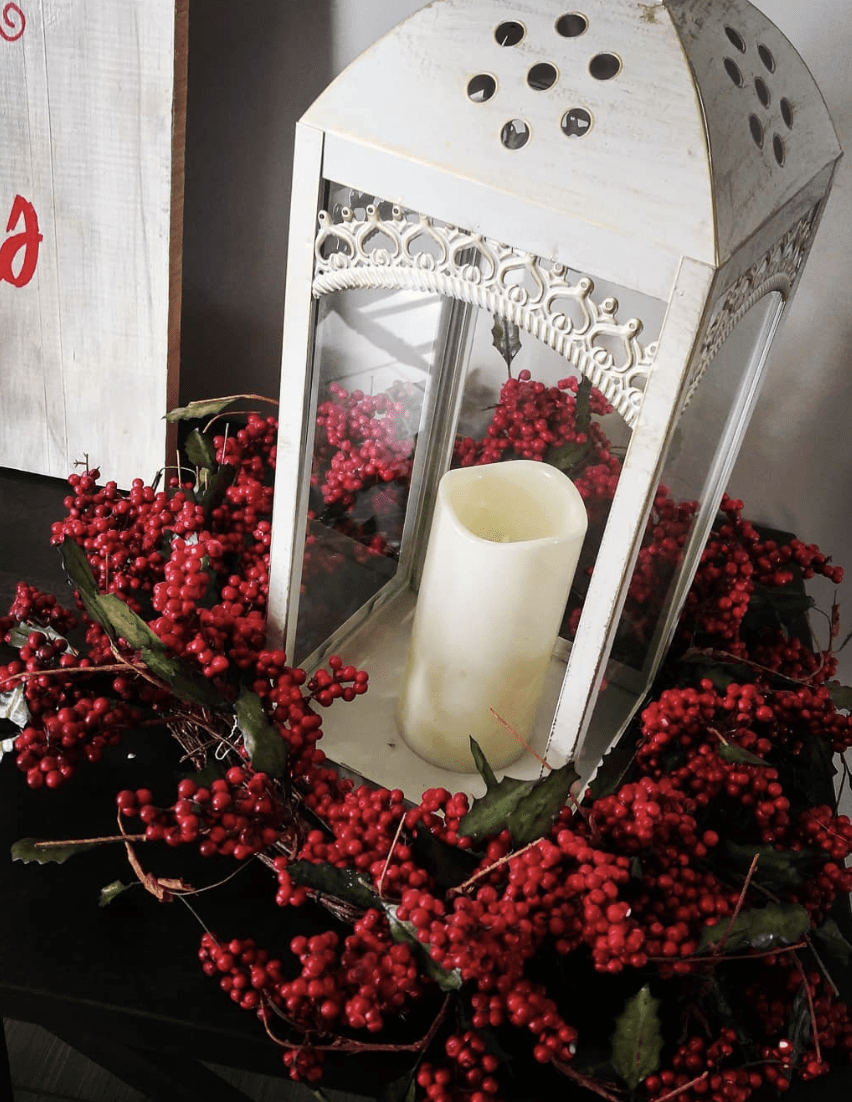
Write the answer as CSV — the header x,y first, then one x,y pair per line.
x,y
254,68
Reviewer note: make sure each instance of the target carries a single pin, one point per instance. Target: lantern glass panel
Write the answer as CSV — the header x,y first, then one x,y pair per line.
x,y
695,473
375,351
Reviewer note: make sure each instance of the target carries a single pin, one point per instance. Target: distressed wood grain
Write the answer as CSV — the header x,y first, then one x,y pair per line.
x,y
92,99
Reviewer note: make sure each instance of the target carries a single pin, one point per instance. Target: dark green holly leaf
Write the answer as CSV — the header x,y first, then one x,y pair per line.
x,y
526,808
841,696
342,884
774,607
763,929
568,457
506,337
21,632
214,770
738,755
217,485
448,865
26,850
776,870
403,1089
637,1041
267,749
78,570
406,933
181,678
799,1025
610,773
109,893
126,624
831,938
200,450
196,411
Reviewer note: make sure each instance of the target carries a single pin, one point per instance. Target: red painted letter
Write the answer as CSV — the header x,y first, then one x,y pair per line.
x,y
28,240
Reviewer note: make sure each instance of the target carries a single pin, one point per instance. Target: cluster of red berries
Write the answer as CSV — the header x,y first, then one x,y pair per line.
x,y
237,815
364,440
68,719
629,883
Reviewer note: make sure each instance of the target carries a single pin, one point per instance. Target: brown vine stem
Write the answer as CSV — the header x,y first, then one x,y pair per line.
x,y
720,944
345,1044
696,959
459,889
90,841
381,882
685,1087
520,738
25,675
811,1009
586,1081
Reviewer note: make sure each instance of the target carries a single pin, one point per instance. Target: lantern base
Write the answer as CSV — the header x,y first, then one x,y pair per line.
x,y
363,737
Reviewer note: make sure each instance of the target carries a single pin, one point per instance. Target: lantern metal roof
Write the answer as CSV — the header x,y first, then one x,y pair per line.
x,y
648,131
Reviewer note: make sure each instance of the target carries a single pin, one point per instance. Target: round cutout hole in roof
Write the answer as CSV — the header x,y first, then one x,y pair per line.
x,y
481,87
510,33
576,123
736,39
779,149
733,71
605,66
787,112
572,25
756,127
762,91
542,76
767,57
515,134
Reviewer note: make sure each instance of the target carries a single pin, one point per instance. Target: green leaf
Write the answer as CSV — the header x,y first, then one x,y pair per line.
x,y
213,771
196,411
403,1089
126,624
776,870
404,932
109,893
200,450
267,749
610,773
21,632
568,457
831,937
25,850
738,755
506,338
637,1040
78,570
763,929
217,486
343,884
183,681
841,696
526,808
448,865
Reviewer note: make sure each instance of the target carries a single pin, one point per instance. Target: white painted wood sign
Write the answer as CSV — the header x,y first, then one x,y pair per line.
x,y
91,100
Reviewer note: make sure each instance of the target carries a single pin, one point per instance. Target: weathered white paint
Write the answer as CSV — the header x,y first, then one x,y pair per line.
x,y
681,189
87,94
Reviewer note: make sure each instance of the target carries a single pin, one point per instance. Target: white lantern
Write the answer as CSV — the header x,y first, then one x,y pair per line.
x,y
626,191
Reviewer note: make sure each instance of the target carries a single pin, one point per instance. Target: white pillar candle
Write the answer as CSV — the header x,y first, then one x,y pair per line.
x,y
502,553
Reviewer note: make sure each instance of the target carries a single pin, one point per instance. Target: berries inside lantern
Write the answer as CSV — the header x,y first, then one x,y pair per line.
x,y
527,234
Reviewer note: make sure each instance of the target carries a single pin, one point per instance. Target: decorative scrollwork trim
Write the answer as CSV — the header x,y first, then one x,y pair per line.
x,y
413,252
777,270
